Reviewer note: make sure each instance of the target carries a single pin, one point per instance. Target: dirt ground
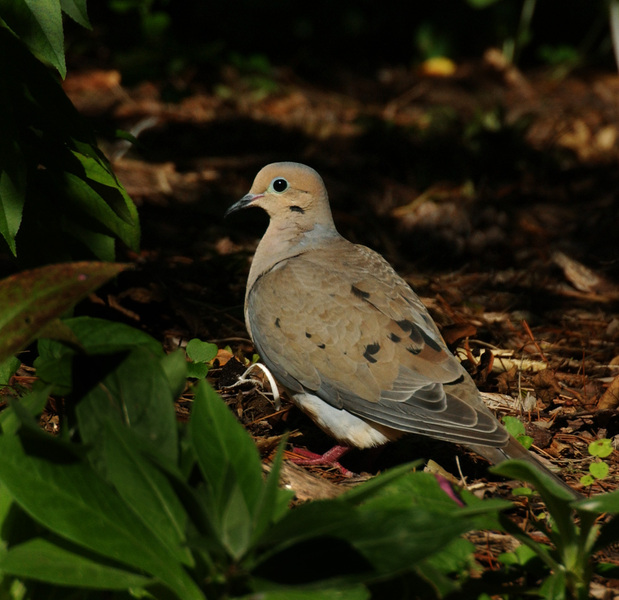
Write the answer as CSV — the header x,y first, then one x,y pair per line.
x,y
493,192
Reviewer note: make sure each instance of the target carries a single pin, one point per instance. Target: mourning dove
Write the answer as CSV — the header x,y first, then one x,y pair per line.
x,y
347,336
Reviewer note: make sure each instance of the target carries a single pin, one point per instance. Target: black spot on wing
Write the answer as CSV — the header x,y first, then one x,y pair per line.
x,y
418,336
359,293
405,325
413,349
370,350
295,208
277,323
430,341
321,346
308,335
395,338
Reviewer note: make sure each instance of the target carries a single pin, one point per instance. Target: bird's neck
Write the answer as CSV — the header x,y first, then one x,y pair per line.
x,y
285,240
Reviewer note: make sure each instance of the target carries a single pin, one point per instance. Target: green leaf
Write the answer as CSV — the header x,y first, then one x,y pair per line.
x,y
141,484
456,557
417,533
76,9
273,502
39,25
373,530
174,366
8,368
93,190
197,370
514,426
31,299
68,498
341,592
603,503
55,363
481,3
44,560
32,404
100,336
12,193
201,352
525,471
599,469
601,448
230,465
367,490
587,480
12,169
558,500
554,587
137,394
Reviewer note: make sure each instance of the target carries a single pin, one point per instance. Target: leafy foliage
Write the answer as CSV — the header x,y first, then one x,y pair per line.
x,y
129,498
59,198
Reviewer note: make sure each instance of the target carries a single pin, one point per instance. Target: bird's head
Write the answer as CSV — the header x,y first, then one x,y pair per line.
x,y
290,193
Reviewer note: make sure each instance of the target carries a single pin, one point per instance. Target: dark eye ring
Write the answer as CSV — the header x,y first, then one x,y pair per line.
x,y
280,185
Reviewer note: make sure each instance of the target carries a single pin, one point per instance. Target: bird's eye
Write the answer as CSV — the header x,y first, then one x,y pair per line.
x,y
279,185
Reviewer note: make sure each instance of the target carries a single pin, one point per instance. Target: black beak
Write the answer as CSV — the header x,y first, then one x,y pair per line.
x,y
244,202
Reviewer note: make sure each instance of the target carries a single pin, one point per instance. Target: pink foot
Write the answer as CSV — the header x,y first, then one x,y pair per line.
x,y
330,458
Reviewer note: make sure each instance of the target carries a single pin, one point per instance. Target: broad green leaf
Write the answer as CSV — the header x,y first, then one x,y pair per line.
x,y
201,352
368,489
76,9
417,534
273,501
68,498
525,471
101,245
142,485
31,299
137,394
373,530
481,3
601,448
599,469
12,169
100,336
558,500
32,404
12,198
230,465
8,368
587,480
94,191
225,451
98,171
554,587
44,560
39,26
55,363
603,503
456,557
71,219
197,370
174,366
341,592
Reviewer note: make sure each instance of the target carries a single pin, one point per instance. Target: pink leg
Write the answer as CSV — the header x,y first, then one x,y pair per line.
x,y
330,458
